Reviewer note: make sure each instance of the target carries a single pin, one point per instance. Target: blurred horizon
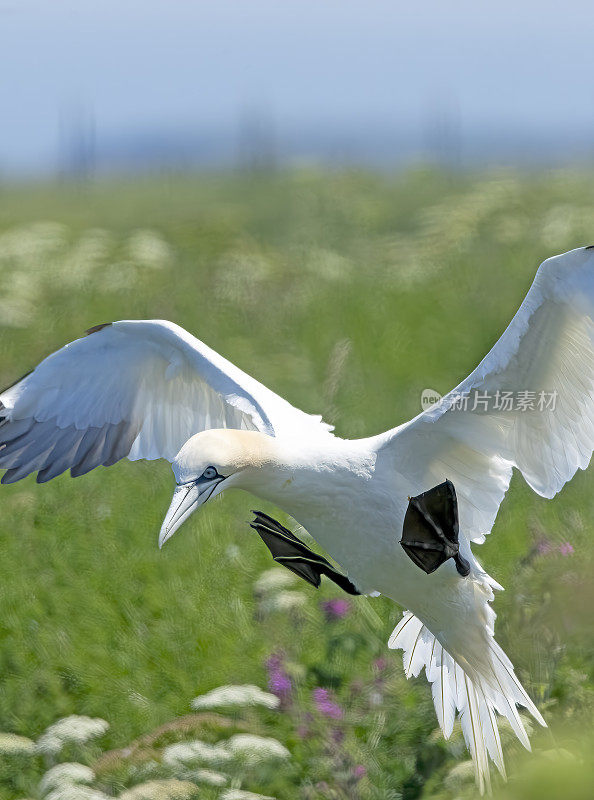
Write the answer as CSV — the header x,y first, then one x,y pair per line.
x,y
143,86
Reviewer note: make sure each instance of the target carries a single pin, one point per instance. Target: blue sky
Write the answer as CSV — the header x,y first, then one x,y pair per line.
x,y
184,65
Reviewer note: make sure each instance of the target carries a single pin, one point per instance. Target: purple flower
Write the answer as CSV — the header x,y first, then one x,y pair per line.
x,y
325,705
335,609
566,549
544,547
359,772
279,681
380,664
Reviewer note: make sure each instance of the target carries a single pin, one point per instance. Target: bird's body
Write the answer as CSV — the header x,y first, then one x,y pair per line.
x,y
148,389
346,494
349,495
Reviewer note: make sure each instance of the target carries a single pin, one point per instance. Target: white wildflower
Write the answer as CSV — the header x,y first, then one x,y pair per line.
x,y
15,312
74,729
148,248
195,752
283,601
207,776
86,256
65,775
11,744
233,553
253,749
243,695
27,244
241,275
559,225
241,794
328,264
146,770
274,580
73,791
161,790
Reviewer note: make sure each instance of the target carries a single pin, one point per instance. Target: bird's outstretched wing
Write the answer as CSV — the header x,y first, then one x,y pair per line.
x,y
529,404
133,388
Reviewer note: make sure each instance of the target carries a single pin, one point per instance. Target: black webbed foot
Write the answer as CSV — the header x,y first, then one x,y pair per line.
x,y
430,530
293,554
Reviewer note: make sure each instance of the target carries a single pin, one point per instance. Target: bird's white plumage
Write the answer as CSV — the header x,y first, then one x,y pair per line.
x,y
548,347
144,389
133,388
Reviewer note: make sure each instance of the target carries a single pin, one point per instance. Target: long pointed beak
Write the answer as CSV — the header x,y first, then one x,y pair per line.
x,y
186,499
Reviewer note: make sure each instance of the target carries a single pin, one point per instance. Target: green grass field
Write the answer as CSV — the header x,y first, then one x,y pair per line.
x,y
347,293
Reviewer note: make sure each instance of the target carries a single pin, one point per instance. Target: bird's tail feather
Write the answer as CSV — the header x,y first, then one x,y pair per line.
x,y
476,695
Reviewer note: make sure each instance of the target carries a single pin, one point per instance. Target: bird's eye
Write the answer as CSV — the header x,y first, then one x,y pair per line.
x,y
210,473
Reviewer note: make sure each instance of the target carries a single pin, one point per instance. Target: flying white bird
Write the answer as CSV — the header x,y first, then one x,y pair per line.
x,y
148,389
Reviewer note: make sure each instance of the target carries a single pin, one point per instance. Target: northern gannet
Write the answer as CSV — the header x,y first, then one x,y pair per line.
x,y
383,507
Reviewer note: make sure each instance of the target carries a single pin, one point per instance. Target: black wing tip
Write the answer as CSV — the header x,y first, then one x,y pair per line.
x,y
589,247
96,328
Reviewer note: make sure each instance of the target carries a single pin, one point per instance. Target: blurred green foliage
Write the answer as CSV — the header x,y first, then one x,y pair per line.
x,y
347,293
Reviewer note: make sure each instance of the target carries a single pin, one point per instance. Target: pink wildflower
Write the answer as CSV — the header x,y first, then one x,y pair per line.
x,y
279,681
335,609
325,705
544,547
